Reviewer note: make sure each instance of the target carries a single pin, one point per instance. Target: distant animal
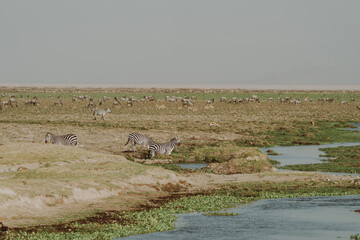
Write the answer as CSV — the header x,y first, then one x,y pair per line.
x,y
100,112
163,148
214,124
137,138
58,102
210,102
7,103
187,102
68,139
33,102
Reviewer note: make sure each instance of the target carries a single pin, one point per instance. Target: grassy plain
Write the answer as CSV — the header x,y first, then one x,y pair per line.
x,y
44,183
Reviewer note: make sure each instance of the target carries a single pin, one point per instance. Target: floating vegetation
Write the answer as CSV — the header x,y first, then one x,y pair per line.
x,y
220,214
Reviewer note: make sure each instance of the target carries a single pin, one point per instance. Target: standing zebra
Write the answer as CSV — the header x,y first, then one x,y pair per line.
x,y
163,148
137,138
100,112
68,139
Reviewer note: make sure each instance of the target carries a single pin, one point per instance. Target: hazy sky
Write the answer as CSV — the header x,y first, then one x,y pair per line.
x,y
183,42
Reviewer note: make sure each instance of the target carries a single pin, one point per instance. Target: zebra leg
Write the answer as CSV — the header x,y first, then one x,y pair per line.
x,y
133,146
152,153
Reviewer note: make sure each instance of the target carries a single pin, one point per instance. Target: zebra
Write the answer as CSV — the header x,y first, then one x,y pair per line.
x,y
68,139
100,112
163,148
137,138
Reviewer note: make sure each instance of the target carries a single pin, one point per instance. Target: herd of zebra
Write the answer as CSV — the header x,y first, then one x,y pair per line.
x,y
134,138
186,101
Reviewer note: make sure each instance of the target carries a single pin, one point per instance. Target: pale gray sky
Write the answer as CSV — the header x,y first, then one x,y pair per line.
x,y
180,42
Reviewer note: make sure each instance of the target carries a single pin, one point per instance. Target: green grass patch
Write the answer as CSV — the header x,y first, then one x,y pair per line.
x,y
302,133
355,237
274,162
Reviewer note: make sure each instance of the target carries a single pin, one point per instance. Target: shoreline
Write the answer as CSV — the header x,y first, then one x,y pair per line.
x,y
161,209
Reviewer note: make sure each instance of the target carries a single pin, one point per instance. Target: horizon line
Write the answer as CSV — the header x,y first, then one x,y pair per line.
x,y
190,86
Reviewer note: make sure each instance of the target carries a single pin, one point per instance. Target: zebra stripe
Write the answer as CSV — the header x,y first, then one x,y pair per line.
x,y
163,148
68,139
137,138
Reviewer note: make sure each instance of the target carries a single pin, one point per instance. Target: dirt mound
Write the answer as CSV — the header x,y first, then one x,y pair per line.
x,y
250,164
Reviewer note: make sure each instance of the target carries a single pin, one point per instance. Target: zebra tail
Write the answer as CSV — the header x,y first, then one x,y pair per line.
x,y
127,142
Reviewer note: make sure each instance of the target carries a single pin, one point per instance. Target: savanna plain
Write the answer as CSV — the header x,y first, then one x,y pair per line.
x,y
101,189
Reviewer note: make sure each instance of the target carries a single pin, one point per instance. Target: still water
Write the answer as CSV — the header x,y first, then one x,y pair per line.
x,y
291,218
192,166
302,154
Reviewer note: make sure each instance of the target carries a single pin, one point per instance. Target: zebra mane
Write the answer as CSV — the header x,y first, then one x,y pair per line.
x,y
175,139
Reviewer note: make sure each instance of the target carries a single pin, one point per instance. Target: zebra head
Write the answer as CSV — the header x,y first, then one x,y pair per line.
x,y
176,140
48,137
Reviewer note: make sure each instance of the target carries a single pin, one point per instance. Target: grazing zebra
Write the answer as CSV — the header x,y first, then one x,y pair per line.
x,y
100,112
137,138
68,139
163,148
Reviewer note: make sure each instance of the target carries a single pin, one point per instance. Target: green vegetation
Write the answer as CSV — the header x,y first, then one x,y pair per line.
x,y
274,162
303,133
340,159
355,237
161,218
